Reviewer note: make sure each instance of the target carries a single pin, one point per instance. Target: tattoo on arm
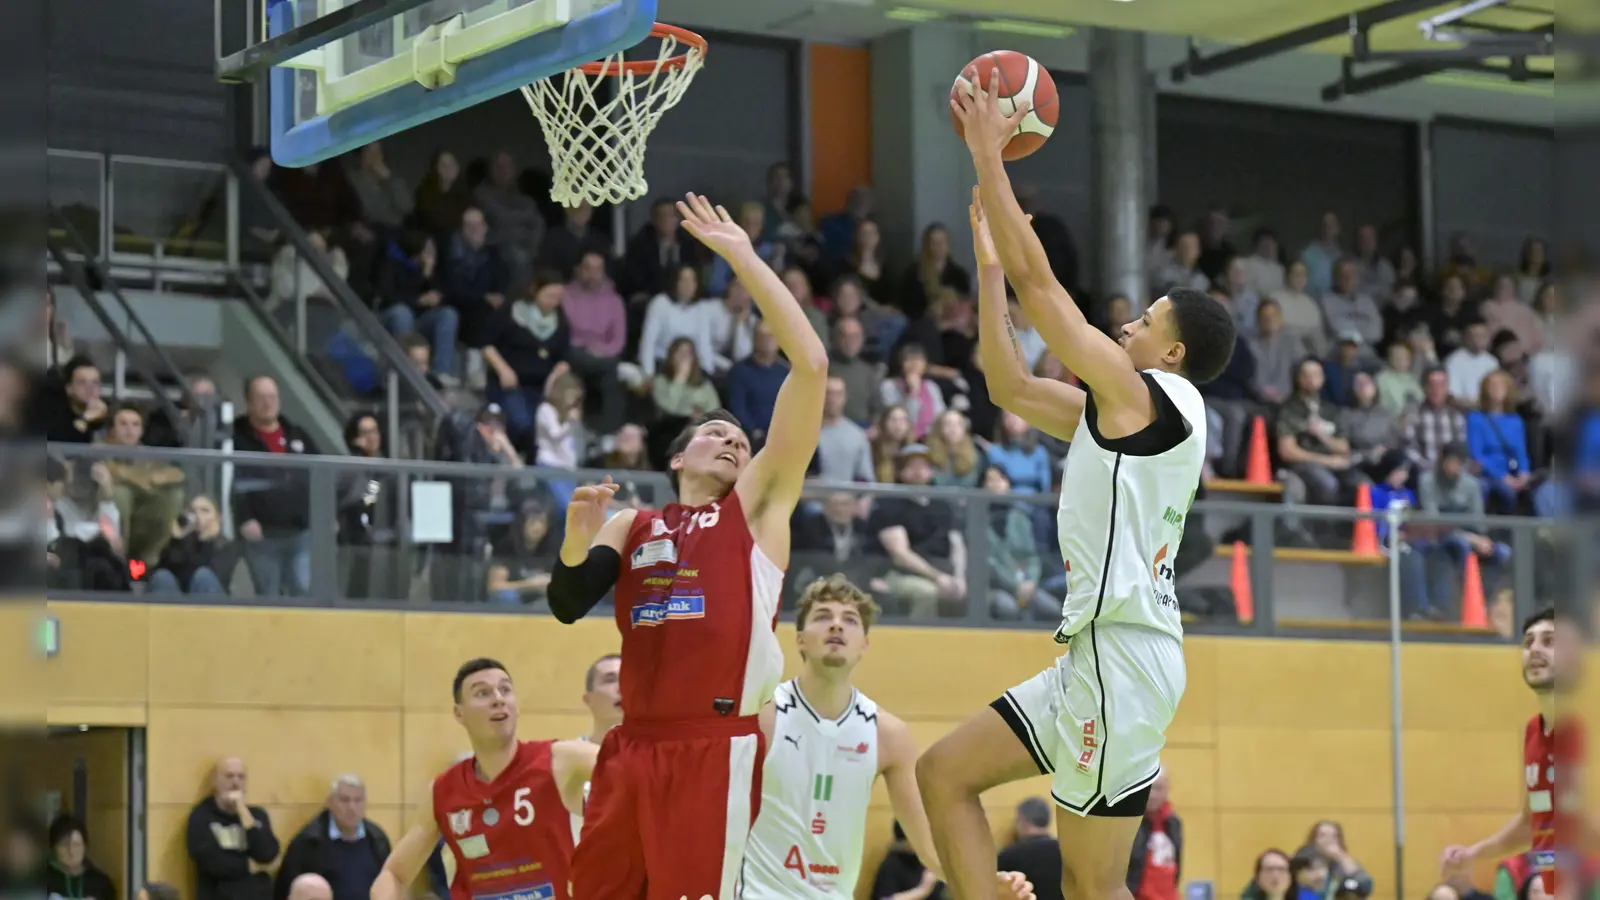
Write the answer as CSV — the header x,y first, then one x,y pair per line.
x,y
1016,345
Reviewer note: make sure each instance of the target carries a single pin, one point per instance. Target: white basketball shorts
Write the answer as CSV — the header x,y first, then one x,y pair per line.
x,y
1096,720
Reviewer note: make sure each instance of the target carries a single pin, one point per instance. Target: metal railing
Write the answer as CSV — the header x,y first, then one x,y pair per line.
x,y
341,531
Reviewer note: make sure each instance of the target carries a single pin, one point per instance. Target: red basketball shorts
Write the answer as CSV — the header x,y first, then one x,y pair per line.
x,y
669,812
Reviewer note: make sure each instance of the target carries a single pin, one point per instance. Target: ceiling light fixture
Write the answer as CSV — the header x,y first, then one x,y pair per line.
x,y
913,14
1018,26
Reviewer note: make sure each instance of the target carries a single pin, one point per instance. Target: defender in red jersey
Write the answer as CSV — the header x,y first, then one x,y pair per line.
x,y
1549,817
678,783
504,812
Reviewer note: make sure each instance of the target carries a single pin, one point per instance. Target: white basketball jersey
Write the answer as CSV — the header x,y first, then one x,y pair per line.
x,y
1121,520
816,786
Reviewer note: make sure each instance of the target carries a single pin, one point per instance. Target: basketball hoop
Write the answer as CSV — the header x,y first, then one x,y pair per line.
x,y
597,149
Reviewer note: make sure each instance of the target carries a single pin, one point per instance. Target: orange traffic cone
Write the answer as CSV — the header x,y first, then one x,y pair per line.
x,y
1258,464
1473,611
1364,541
1239,581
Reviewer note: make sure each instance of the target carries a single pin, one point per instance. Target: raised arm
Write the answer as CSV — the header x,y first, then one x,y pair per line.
x,y
591,552
1083,349
572,764
770,485
409,856
1051,406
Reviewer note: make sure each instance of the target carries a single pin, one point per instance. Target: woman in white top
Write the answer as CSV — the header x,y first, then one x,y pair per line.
x,y
675,313
1302,314
558,425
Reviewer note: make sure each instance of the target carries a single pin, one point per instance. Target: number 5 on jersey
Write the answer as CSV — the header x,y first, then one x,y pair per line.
x,y
522,807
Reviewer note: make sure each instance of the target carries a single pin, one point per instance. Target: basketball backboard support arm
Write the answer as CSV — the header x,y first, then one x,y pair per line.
x,y
1351,23
254,60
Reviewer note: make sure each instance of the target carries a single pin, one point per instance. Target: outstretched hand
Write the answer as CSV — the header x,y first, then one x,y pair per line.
x,y
986,126
1015,884
712,226
586,511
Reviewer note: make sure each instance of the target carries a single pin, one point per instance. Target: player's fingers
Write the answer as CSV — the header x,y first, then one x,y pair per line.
x,y
722,214
707,211
685,212
994,82
958,110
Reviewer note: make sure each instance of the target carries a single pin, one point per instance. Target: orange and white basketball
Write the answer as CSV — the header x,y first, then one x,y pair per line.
x,y
1020,76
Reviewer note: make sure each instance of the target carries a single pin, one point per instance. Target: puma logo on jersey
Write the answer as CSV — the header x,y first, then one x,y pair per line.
x,y
793,740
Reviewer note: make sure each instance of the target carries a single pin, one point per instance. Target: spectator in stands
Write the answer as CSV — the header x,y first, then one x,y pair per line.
x,y
775,203
1015,567
1373,429
1310,443
839,229
859,376
1552,372
272,504
385,198
83,530
1119,312
516,225
1349,356
1036,852
1434,422
526,346
752,219
657,249
1498,445
294,279
1322,254
889,434
1505,310
411,299
77,414
1242,298
1017,452
1272,880
443,196
198,559
1310,874
230,841
1375,273
672,314
563,247
913,390
1463,263
320,199
881,326
1533,270
1232,397
629,451
559,434
1398,387
520,570
339,843
934,268
1276,354
865,262
1408,269
946,334
1470,364
1182,269
903,876
419,353
1029,340
1155,869
1448,488
1160,225
1303,320
258,227
843,451
753,384
599,321
197,418
366,513
682,390
1402,314
148,493
1264,266
834,539
1215,248
732,324
803,243
957,462
1450,317
1326,840
70,874
927,553
475,276
799,284
57,345
1349,309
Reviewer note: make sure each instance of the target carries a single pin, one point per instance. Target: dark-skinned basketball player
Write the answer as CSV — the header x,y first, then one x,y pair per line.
x,y
697,583
505,810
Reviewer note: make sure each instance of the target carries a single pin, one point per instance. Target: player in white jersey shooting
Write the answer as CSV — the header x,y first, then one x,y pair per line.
x,y
1096,720
827,743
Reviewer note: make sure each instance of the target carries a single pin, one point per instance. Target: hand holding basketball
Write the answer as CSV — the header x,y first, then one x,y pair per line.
x,y
1004,102
587,510
712,226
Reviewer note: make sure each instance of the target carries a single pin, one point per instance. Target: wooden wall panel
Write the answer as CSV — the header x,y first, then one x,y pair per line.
x,y
104,663
1270,737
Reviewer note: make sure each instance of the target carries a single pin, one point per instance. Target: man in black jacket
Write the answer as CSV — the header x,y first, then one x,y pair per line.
x,y
230,841
272,504
1035,853
340,843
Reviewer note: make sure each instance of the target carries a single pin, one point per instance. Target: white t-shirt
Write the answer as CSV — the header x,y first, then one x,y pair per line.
x,y
1466,371
555,438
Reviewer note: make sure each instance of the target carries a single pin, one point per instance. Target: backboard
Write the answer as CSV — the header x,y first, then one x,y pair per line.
x,y
343,73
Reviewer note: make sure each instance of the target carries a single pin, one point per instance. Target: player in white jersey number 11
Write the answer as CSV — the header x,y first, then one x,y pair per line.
x,y
827,743
1095,721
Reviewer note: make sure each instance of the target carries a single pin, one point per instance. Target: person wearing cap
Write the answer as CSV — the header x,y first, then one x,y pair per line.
x,y
1348,308
920,535
1339,370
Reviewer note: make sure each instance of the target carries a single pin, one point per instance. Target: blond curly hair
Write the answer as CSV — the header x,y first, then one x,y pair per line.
x,y
837,589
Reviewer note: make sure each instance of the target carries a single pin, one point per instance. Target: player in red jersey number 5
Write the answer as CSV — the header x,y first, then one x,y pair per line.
x,y
678,783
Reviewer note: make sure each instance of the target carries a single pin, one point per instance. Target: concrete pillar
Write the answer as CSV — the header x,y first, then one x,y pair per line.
x,y
1123,132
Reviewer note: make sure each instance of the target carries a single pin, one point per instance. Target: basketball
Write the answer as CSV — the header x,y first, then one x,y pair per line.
x,y
1020,76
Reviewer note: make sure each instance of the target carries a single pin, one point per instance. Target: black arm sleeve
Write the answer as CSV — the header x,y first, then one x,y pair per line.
x,y
574,590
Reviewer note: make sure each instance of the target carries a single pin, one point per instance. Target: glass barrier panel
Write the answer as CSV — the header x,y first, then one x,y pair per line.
x,y
77,189
172,209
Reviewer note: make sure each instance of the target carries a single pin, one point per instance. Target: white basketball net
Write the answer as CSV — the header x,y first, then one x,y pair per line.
x,y
597,149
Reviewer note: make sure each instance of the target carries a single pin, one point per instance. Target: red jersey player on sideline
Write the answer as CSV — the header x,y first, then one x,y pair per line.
x,y
504,811
1549,745
678,783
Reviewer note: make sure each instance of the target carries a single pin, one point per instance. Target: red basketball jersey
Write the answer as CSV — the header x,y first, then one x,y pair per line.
x,y
1539,773
512,837
696,603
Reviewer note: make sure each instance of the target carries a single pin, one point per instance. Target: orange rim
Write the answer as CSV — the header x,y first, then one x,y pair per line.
x,y
695,42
